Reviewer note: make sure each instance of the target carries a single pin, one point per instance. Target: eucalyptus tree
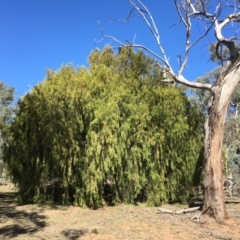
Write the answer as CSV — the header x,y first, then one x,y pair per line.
x,y
211,15
231,141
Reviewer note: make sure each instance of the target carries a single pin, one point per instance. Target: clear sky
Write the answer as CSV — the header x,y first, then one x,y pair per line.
x,y
40,34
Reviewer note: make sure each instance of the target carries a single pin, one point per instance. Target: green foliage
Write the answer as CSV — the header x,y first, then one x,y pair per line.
x,y
110,134
231,146
223,53
6,115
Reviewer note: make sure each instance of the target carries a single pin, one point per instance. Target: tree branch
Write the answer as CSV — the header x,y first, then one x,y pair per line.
x,y
182,80
186,10
186,210
152,27
229,43
129,45
190,11
219,27
175,78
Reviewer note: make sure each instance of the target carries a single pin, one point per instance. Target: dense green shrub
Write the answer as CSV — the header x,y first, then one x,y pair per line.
x,y
112,133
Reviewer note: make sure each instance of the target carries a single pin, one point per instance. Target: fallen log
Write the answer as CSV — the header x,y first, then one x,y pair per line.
x,y
186,210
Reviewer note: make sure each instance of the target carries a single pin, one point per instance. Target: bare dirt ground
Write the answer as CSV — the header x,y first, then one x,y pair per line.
x,y
118,222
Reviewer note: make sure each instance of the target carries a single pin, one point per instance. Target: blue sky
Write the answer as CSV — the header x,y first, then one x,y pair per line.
x,y
40,34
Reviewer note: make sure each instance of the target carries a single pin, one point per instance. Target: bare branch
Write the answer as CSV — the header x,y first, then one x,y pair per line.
x,y
163,60
166,67
155,34
229,43
175,24
188,10
219,27
193,209
188,26
218,9
202,36
182,80
152,27
202,13
175,78
130,15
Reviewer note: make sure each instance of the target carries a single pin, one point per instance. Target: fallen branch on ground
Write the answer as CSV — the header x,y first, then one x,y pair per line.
x,y
179,211
195,218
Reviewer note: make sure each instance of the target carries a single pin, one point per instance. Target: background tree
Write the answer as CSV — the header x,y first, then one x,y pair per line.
x,y
190,11
231,148
113,133
6,115
231,138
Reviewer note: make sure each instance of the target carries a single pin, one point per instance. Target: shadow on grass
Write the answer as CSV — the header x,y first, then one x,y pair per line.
x,y
232,200
73,234
15,222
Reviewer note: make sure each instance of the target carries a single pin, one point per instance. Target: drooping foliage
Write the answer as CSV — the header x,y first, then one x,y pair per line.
x,y
112,133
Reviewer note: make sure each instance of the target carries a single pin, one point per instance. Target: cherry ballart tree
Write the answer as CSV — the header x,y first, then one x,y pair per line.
x,y
215,17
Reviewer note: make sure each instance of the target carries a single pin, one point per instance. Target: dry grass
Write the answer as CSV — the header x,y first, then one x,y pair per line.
x,y
119,222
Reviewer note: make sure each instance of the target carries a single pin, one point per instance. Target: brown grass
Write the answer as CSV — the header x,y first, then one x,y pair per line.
x,y
119,222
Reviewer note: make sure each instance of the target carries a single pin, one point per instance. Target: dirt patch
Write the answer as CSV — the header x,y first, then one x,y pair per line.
x,y
109,223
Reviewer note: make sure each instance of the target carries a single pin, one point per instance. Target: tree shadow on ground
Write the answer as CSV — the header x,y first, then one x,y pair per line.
x,y
73,234
232,200
15,222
